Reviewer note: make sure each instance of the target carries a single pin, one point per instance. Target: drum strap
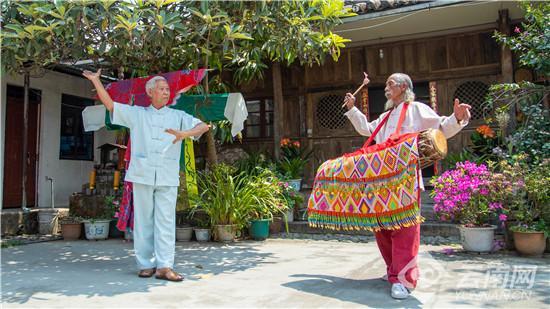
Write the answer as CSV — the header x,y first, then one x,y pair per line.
x,y
383,122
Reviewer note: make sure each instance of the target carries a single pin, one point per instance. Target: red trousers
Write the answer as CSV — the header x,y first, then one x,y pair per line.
x,y
399,248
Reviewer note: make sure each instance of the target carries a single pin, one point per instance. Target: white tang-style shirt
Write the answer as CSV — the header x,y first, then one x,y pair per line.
x,y
154,159
419,117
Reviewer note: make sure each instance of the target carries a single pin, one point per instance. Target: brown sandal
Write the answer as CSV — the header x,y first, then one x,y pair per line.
x,y
147,273
168,274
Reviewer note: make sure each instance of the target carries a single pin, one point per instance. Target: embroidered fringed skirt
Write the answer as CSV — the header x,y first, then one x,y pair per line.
x,y
374,188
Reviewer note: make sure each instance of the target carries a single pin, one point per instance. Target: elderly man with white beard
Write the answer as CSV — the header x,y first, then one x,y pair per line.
x,y
399,248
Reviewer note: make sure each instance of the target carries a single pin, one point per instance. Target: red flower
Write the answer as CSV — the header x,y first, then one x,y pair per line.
x,y
486,131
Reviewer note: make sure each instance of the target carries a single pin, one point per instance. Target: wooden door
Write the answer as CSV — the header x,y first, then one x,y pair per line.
x,y
13,156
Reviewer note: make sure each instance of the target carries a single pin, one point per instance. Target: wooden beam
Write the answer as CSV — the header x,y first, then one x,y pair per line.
x,y
506,63
25,159
278,108
507,67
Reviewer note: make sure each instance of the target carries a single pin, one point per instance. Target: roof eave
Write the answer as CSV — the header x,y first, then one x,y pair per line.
x,y
404,9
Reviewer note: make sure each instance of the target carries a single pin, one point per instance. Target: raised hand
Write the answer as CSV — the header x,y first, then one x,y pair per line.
x,y
461,110
366,81
349,101
91,75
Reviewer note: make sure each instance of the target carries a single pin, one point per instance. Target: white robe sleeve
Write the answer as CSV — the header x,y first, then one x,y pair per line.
x,y
430,119
188,122
360,122
125,115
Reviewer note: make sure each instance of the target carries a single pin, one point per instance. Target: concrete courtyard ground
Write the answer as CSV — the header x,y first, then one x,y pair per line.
x,y
275,273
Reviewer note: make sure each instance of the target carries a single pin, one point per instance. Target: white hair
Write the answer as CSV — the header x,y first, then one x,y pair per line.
x,y
402,79
152,83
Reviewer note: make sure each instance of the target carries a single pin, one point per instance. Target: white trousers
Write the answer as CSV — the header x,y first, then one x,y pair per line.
x,y
154,225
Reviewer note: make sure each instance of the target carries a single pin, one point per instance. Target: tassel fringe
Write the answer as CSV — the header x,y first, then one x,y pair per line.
x,y
391,220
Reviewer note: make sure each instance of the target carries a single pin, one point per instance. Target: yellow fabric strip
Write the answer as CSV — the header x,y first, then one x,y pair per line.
x,y
190,171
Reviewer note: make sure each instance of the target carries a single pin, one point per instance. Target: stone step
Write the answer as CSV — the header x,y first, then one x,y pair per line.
x,y
426,229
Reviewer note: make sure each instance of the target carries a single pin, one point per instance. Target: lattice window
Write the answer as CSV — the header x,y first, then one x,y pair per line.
x,y
330,112
473,93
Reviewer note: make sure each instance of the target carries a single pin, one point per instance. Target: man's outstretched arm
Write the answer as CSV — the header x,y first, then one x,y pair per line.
x,y
196,131
102,94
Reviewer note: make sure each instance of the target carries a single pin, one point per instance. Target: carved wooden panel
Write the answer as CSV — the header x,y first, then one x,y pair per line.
x,y
490,50
422,57
357,65
397,58
409,57
384,61
438,54
332,72
328,114
456,52
472,53
372,62
292,116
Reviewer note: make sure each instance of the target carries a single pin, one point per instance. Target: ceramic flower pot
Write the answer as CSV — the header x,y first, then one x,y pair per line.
x,y
290,215
225,233
96,229
184,233
71,231
202,235
296,184
276,226
530,243
477,239
259,229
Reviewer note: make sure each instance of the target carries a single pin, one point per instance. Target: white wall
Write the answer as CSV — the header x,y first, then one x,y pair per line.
x,y
68,175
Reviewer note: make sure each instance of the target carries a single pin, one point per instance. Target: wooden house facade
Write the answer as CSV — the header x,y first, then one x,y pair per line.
x,y
454,60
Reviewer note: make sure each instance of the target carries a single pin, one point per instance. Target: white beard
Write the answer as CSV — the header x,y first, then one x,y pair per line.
x,y
389,104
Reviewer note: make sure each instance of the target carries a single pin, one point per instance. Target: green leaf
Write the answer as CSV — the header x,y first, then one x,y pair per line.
x,y
14,27
242,36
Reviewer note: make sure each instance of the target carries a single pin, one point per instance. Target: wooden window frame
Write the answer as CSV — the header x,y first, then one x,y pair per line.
x,y
263,125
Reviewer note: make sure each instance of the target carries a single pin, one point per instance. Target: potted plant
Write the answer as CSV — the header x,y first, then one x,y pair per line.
x,y
265,201
292,170
184,230
293,161
467,195
510,178
97,228
256,164
71,227
224,196
112,203
532,215
291,198
202,229
96,224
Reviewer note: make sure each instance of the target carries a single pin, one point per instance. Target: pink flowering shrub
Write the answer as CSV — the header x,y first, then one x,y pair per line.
x,y
469,194
290,196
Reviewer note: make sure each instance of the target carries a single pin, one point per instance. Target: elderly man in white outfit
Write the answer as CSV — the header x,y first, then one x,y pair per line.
x,y
399,248
156,132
